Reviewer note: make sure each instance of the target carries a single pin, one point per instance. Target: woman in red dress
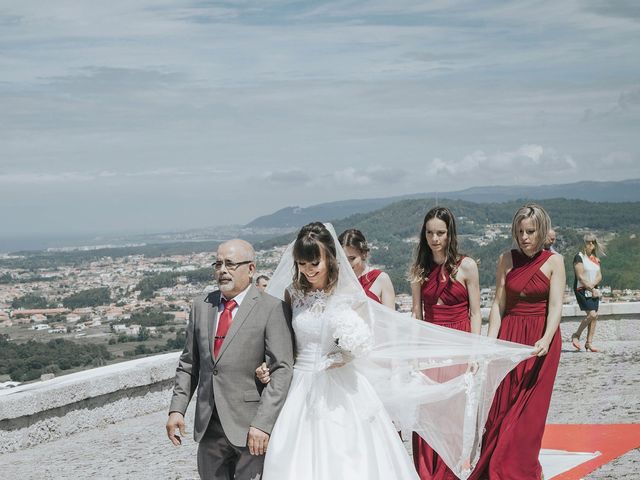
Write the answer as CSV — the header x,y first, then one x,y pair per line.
x,y
377,284
446,291
530,283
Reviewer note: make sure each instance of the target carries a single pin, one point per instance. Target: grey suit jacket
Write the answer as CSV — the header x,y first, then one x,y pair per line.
x,y
260,331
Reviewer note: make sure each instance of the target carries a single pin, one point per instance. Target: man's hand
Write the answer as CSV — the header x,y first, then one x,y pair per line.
x,y
176,422
262,373
257,441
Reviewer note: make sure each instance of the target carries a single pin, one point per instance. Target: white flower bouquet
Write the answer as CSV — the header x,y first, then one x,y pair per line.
x,y
350,331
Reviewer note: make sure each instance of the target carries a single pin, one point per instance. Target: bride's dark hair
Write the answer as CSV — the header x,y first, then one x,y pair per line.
x,y
312,240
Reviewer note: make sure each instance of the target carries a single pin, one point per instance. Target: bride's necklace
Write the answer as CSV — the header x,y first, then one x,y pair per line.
x,y
314,290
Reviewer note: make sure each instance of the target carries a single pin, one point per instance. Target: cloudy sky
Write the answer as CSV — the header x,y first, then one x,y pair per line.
x,y
157,115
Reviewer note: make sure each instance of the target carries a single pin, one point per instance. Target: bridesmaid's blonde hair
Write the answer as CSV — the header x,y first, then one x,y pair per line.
x,y
540,219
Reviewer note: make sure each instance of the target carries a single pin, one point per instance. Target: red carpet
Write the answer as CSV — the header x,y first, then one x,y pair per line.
x,y
610,440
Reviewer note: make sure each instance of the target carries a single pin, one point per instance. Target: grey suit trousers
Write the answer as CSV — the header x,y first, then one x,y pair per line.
x,y
218,459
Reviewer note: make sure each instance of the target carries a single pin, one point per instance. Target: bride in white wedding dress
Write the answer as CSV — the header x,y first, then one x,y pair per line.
x,y
358,364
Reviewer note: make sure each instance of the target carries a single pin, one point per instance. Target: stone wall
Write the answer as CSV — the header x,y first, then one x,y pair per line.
x,y
43,411
572,312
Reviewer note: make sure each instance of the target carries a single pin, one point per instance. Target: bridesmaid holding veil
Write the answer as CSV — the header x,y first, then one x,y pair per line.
x,y
530,283
377,284
445,291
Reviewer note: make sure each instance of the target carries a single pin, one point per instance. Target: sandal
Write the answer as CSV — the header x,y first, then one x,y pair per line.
x,y
589,348
575,341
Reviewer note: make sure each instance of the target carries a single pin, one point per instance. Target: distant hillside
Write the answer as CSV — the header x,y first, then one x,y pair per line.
x,y
403,219
622,191
296,216
389,228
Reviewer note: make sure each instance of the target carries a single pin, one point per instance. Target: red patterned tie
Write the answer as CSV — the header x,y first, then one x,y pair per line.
x,y
224,322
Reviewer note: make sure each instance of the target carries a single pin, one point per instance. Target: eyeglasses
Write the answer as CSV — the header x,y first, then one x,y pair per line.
x,y
231,266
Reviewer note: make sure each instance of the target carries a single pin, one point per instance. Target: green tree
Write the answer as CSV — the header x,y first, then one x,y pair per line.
x,y
621,264
148,285
150,319
177,343
143,334
88,298
141,350
27,361
6,278
202,275
30,300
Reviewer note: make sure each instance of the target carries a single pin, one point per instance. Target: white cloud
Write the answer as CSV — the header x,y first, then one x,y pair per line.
x,y
83,177
528,161
160,172
350,177
620,160
370,176
44,178
286,177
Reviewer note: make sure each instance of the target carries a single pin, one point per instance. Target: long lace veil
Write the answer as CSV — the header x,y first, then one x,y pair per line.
x,y
433,380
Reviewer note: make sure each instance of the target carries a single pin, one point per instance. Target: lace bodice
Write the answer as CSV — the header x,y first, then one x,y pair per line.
x,y
307,312
326,326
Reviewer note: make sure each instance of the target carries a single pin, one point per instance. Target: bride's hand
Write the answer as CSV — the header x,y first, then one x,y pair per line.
x,y
339,359
262,373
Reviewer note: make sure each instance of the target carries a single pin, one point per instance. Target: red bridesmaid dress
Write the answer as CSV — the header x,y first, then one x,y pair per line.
x,y
367,280
453,312
513,433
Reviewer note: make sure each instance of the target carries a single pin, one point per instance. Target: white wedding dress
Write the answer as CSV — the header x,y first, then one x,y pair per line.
x,y
332,425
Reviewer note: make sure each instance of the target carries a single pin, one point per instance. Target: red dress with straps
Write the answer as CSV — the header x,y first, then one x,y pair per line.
x,y
369,279
452,312
513,432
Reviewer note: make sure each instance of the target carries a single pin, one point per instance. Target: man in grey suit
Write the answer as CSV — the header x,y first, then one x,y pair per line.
x,y
230,332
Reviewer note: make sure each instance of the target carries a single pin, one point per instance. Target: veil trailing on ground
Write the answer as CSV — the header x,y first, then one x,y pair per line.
x,y
436,381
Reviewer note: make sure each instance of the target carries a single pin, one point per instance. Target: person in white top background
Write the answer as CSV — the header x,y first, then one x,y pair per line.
x,y
588,275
